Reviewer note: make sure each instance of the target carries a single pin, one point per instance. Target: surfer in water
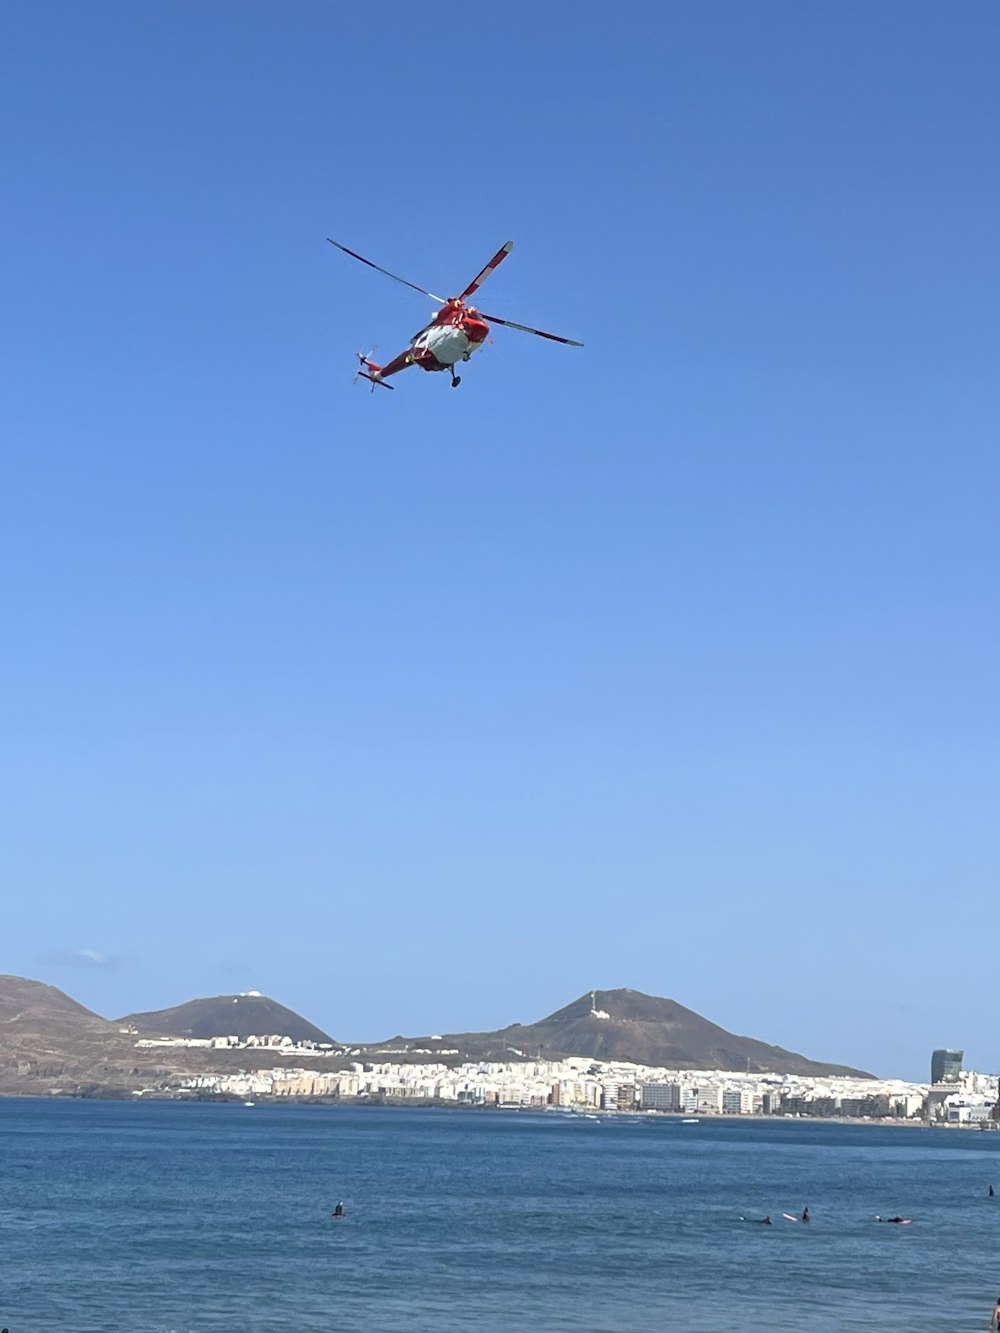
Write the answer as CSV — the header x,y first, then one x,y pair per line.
x,y
339,1209
989,1192
805,1214
897,1218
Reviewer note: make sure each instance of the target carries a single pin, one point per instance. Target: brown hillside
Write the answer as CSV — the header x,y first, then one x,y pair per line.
x,y
32,1006
51,1044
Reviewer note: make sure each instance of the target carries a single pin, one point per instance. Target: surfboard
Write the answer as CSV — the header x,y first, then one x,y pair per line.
x,y
789,1218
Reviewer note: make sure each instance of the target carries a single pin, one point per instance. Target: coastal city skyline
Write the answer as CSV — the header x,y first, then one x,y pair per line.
x,y
970,1101
40,1018
584,1058
953,1096
665,662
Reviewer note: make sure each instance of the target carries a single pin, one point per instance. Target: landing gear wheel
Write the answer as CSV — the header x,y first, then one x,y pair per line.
x,y
456,381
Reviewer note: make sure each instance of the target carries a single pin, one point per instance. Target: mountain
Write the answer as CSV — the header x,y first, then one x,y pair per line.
x,y
31,1008
247,1015
50,1043
642,1029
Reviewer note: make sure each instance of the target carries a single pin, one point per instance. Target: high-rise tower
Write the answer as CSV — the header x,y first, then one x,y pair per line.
x,y
946,1066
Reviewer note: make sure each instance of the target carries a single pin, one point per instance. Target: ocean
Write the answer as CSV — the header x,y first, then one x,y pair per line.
x,y
190,1217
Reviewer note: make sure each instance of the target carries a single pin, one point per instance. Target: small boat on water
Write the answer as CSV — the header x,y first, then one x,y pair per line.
x,y
689,1120
249,1103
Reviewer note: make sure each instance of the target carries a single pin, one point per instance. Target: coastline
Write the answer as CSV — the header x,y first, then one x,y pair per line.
x,y
447,1104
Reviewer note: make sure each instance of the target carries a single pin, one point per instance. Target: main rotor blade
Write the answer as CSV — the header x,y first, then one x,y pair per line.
x,y
422,290
523,328
480,278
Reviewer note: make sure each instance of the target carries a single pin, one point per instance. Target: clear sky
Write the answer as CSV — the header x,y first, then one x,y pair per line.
x,y
668,663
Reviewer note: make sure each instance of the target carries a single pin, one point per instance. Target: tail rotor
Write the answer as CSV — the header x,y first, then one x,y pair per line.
x,y
370,370
363,361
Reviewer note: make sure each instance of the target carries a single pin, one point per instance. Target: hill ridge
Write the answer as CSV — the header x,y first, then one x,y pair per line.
x,y
246,1014
43,1031
628,1025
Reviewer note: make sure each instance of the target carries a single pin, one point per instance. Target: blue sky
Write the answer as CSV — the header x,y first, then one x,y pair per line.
x,y
667,663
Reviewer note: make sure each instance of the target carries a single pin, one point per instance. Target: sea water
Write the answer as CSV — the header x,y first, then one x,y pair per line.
x,y
195,1217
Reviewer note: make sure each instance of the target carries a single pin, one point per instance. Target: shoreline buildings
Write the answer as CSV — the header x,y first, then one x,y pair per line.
x,y
581,1084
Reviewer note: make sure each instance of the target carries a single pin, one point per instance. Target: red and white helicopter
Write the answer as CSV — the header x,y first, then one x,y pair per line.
x,y
455,332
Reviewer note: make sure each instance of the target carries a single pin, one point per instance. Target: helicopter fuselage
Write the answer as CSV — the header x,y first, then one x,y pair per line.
x,y
455,332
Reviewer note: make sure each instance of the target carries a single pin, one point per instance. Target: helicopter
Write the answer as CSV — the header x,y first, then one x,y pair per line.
x,y
455,332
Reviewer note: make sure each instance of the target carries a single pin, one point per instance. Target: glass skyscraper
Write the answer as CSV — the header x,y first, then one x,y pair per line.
x,y
946,1066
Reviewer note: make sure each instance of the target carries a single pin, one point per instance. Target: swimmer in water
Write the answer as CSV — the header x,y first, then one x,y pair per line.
x,y
339,1209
